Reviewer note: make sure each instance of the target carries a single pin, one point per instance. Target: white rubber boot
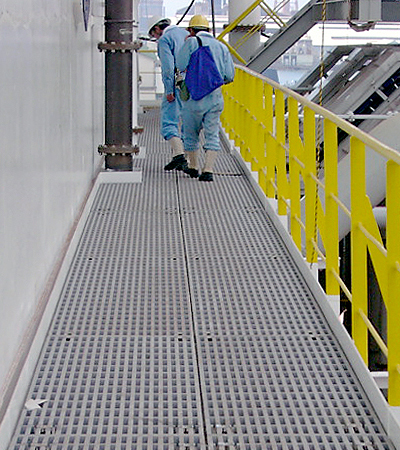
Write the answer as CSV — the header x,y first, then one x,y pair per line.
x,y
211,156
178,161
207,173
193,159
177,146
193,163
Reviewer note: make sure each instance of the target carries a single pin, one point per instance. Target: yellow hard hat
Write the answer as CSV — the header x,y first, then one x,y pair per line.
x,y
200,22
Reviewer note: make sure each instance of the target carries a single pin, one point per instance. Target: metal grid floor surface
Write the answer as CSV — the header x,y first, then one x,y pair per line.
x,y
185,324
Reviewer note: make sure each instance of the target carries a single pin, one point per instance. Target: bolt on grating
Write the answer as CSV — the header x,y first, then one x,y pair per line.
x,y
185,324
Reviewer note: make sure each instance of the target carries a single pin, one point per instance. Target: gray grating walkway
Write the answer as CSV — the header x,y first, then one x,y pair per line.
x,y
184,324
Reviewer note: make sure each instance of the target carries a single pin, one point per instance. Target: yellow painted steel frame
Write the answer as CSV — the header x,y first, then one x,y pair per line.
x,y
270,13
263,119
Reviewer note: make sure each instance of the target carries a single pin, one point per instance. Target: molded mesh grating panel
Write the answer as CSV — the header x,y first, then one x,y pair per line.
x,y
184,324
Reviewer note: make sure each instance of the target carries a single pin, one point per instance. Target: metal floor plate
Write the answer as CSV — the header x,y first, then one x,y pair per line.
x,y
184,324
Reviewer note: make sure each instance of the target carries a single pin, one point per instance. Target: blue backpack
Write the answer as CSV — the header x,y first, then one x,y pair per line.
x,y
202,74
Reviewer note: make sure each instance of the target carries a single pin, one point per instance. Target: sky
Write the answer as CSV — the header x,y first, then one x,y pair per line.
x,y
172,5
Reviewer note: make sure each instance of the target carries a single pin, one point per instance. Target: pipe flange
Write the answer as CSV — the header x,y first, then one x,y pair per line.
x,y
119,46
118,149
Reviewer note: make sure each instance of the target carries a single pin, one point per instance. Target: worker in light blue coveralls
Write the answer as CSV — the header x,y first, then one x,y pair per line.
x,y
204,113
170,40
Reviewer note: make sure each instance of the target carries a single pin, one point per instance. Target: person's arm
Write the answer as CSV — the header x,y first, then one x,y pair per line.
x,y
167,67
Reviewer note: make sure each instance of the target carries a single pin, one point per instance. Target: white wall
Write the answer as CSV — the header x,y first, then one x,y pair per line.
x,y
51,122
151,87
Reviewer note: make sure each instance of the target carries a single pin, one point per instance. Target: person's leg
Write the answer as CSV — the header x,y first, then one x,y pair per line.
x,y
193,164
211,123
192,123
170,118
178,160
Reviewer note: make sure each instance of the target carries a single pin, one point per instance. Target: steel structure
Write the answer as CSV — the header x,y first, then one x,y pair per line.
x,y
304,20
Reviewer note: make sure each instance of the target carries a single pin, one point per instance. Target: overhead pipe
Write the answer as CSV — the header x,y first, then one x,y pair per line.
x,y
118,148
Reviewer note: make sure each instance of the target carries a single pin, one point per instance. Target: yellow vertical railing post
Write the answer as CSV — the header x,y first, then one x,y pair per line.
x,y
239,115
270,145
331,244
280,155
236,107
259,116
255,93
227,113
245,118
310,187
250,131
242,127
260,133
238,111
251,125
262,173
358,248
294,170
393,255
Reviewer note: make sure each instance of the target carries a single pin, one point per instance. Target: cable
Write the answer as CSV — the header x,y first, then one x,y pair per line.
x,y
212,14
187,10
213,17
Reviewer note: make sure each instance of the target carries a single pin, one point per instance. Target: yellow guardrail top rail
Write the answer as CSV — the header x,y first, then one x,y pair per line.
x,y
277,131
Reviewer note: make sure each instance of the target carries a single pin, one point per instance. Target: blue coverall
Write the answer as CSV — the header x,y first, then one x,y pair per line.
x,y
169,45
204,113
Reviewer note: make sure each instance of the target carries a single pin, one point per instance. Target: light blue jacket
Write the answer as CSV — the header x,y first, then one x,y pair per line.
x,y
220,52
169,45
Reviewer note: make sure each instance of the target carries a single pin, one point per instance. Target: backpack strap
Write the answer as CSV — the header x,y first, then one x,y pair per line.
x,y
199,41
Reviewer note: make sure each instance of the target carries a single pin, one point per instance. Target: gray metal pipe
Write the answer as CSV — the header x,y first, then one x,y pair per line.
x,y
118,84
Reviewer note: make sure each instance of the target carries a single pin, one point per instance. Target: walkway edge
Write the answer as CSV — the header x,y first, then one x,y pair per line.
x,y
25,362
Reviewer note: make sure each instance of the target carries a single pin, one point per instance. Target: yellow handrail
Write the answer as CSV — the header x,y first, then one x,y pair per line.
x,y
263,119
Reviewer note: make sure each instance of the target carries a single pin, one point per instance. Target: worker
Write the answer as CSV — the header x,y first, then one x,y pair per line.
x,y
204,113
170,39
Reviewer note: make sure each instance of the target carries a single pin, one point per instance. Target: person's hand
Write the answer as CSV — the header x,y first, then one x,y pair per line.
x,y
170,98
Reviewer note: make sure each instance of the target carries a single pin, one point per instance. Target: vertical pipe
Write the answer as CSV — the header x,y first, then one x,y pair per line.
x,y
135,74
118,98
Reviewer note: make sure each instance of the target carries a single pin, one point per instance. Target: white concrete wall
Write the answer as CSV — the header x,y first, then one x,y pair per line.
x,y
51,122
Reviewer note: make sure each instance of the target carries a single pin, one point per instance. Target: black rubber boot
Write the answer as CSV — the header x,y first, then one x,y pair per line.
x,y
178,162
206,176
193,173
